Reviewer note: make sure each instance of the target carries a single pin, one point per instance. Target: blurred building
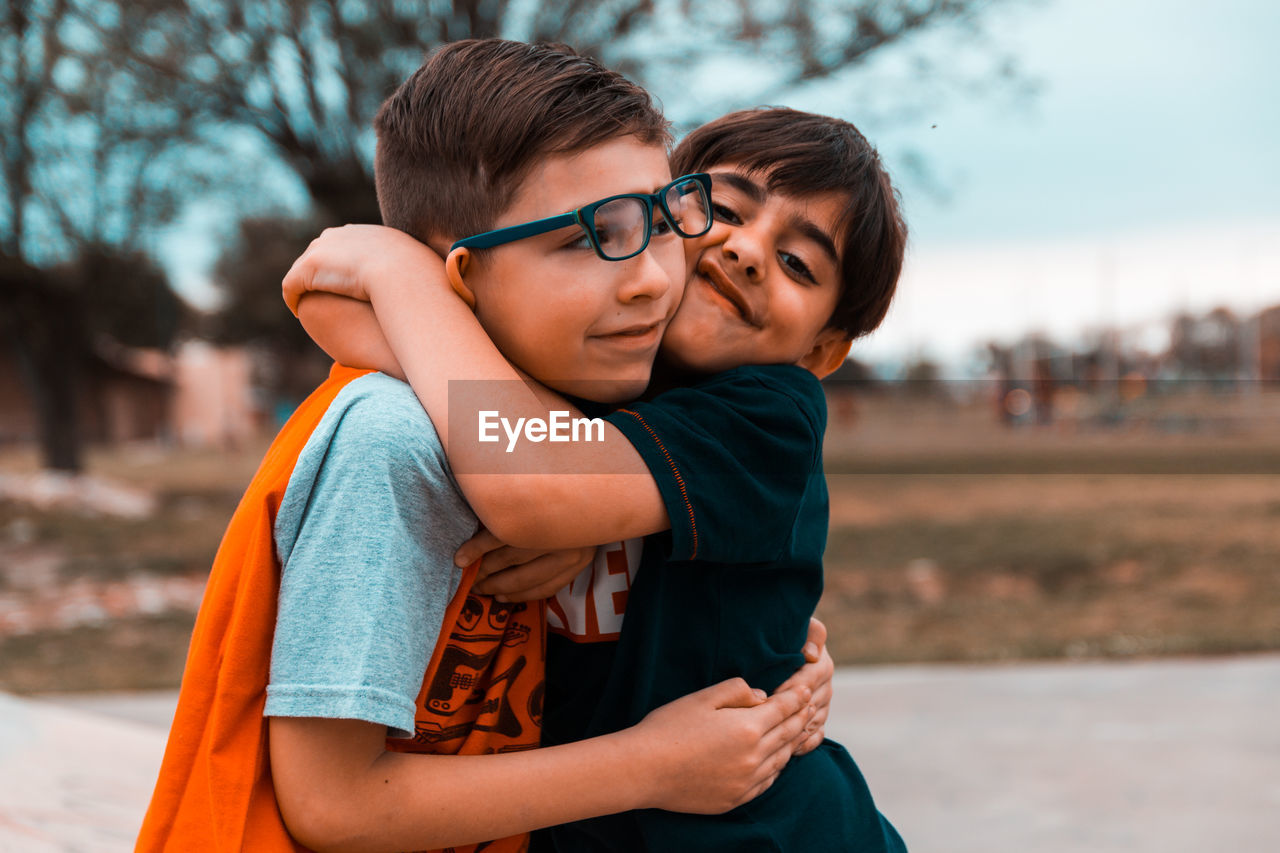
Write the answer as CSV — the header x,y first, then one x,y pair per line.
x,y
1269,344
213,396
198,396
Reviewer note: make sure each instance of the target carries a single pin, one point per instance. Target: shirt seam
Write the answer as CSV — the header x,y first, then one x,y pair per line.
x,y
675,472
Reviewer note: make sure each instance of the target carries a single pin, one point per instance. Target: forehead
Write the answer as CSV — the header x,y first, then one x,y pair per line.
x,y
564,182
819,214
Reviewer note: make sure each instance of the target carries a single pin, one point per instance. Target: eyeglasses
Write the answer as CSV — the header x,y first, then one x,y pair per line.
x,y
619,227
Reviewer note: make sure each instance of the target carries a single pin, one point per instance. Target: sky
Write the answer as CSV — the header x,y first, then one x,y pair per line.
x,y
1141,178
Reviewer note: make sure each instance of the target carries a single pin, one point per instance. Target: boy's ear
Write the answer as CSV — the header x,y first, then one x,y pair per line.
x,y
455,266
830,349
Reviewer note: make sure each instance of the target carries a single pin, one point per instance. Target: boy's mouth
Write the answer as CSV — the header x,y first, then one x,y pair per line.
x,y
636,335
726,289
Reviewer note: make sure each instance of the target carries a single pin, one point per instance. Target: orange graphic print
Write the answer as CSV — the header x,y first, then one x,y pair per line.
x,y
484,687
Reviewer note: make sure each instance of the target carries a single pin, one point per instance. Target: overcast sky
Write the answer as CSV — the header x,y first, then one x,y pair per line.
x,y
1144,177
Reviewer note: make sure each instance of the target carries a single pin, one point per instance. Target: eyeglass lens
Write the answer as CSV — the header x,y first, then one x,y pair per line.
x,y
621,227
689,209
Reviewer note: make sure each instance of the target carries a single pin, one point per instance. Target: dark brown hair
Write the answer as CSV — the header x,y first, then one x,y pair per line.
x,y
458,137
801,154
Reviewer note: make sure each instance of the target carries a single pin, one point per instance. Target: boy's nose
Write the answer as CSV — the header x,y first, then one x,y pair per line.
x,y
745,253
643,278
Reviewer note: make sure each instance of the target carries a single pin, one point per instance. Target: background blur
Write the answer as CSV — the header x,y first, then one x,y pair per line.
x,y
1062,443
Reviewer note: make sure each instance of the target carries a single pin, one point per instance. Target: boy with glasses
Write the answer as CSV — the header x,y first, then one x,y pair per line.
x,y
722,470
317,637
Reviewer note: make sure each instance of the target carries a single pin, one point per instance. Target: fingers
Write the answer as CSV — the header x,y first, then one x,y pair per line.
x,y
476,547
294,285
778,745
767,773
790,727
811,675
536,579
816,641
810,741
783,707
736,693
815,730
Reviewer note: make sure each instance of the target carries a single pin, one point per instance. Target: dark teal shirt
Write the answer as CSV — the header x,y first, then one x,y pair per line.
x,y
727,592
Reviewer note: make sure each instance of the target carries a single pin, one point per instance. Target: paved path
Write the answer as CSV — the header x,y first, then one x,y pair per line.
x,y
1164,756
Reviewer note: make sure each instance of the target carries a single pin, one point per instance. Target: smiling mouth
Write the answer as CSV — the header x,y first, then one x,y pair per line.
x,y
727,290
636,335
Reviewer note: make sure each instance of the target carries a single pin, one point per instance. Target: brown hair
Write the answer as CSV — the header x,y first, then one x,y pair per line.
x,y
458,137
802,154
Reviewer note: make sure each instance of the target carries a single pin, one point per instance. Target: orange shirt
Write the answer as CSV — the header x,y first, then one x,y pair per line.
x,y
215,791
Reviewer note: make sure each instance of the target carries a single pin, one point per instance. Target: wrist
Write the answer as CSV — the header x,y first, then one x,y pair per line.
x,y
645,767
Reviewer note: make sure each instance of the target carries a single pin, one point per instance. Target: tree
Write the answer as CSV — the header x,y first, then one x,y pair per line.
x,y
85,172
119,113
303,78
306,76
249,274
1207,347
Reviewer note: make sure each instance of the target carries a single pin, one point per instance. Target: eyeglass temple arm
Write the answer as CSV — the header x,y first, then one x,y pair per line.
x,y
498,236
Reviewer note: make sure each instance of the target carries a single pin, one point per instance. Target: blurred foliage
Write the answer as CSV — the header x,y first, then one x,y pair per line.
x,y
308,75
124,296
249,273
117,116
88,171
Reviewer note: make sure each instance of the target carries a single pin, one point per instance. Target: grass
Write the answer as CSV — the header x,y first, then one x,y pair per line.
x,y
955,539
951,539
128,654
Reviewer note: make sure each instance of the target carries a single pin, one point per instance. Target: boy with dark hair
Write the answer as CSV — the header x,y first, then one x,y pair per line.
x,y
317,636
803,255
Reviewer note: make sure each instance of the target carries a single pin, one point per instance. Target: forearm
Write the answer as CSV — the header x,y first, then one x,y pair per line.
x,y
408,802
584,492
563,484
338,789
455,348
347,330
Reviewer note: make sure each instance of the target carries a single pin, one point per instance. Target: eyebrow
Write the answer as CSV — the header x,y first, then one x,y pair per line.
x,y
817,235
758,195
742,184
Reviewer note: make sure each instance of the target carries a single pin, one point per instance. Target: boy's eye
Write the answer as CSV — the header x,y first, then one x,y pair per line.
x,y
795,265
606,237
661,227
725,214
579,242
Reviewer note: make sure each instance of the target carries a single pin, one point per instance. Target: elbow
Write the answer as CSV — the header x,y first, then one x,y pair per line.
x,y
522,517
321,824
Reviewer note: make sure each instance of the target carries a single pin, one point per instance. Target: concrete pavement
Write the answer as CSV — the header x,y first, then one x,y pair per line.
x,y
1167,756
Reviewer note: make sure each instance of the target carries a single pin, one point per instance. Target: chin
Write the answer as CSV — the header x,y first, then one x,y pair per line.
x,y
605,390
696,361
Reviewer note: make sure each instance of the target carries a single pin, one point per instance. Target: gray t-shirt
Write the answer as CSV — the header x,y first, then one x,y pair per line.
x,y
365,534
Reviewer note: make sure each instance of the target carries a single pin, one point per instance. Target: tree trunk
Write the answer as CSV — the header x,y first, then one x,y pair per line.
x,y
54,394
41,328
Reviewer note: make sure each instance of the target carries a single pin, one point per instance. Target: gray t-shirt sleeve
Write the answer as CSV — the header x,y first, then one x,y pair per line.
x,y
365,534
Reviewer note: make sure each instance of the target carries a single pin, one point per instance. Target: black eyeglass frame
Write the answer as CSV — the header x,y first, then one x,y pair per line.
x,y
586,214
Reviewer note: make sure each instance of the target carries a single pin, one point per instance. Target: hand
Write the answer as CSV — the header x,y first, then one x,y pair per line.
x,y
816,674
720,747
518,574
350,260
